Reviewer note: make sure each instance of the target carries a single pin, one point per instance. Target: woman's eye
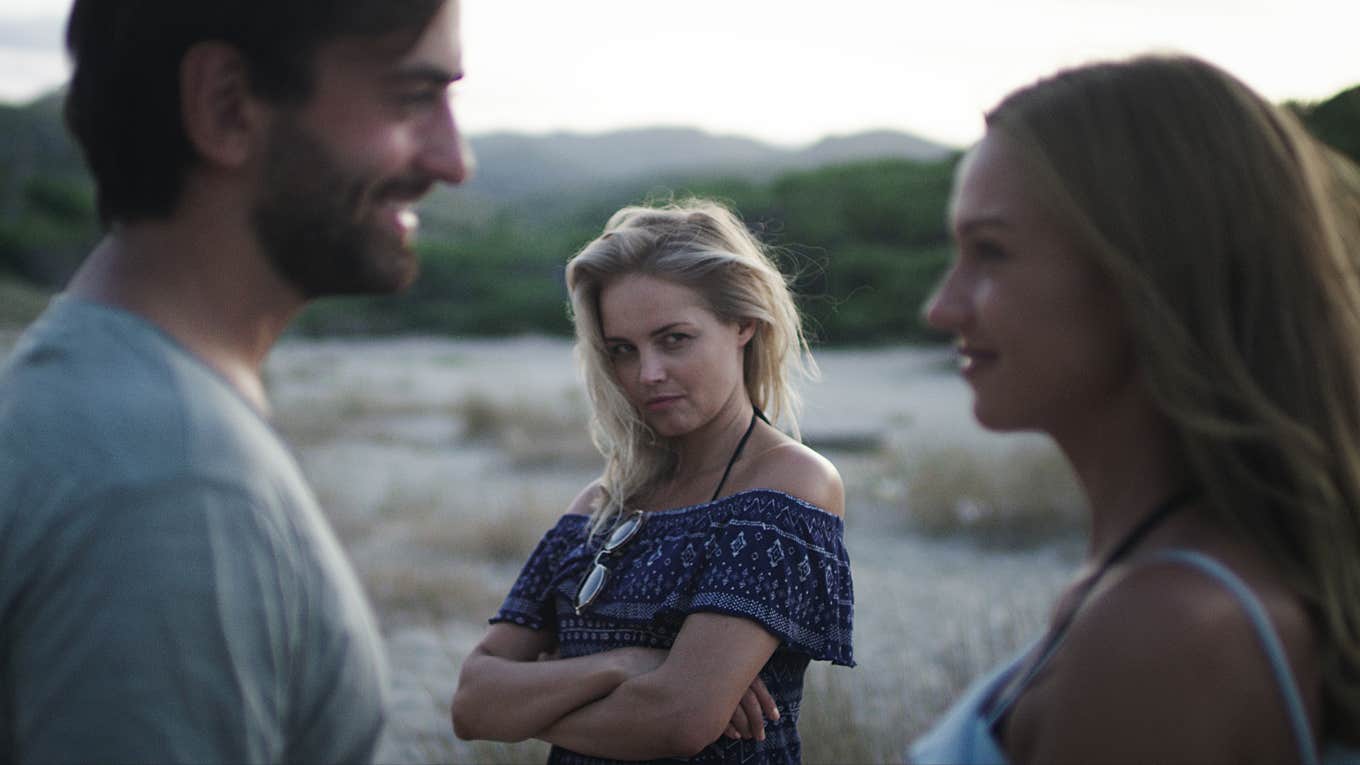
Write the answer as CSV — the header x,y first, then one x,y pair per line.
x,y
675,338
616,351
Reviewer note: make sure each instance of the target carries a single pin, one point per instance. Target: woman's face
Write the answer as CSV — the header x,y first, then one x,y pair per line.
x,y
676,361
1039,333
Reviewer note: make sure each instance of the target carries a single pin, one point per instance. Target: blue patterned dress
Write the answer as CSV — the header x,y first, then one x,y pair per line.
x,y
760,554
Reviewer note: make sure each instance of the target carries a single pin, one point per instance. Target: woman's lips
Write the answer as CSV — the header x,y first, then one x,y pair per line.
x,y
661,402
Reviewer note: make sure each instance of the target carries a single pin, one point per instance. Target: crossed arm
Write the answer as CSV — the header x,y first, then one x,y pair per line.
x,y
629,703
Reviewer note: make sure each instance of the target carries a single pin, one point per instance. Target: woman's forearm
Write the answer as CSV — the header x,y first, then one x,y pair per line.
x,y
505,700
643,718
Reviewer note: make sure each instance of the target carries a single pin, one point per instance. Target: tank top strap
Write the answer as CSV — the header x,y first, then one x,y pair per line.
x,y
997,707
1265,631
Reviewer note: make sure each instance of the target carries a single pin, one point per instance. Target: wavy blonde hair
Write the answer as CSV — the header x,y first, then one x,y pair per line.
x,y
701,245
1232,238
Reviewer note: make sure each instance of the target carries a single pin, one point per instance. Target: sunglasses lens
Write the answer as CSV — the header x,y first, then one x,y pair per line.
x,y
595,580
592,585
625,531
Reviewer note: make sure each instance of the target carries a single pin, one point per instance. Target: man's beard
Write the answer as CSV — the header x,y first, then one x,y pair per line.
x,y
317,220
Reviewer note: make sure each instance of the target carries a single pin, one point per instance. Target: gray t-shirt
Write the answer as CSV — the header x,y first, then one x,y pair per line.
x,y
169,589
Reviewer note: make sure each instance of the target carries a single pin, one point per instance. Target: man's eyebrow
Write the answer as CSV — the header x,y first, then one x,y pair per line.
x,y
426,73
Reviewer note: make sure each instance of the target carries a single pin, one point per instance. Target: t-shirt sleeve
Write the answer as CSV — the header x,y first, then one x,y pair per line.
x,y
531,602
154,626
785,567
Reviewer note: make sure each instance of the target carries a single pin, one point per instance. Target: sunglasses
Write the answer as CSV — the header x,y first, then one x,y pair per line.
x,y
593,583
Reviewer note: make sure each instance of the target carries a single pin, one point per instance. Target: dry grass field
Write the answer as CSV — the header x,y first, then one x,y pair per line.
x,y
441,462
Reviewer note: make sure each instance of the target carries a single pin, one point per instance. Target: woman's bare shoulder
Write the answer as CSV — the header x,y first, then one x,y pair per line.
x,y
797,470
584,503
1167,654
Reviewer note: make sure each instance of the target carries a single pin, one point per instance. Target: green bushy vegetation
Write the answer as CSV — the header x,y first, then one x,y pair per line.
x,y
864,242
20,303
47,212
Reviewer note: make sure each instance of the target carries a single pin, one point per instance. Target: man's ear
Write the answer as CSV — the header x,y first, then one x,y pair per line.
x,y
222,117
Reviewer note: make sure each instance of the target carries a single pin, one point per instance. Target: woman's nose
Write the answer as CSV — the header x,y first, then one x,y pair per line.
x,y
651,368
948,308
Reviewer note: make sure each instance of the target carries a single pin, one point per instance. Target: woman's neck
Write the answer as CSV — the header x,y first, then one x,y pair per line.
x,y
710,447
1127,466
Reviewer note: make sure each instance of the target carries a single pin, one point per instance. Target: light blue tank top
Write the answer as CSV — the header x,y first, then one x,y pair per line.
x,y
964,734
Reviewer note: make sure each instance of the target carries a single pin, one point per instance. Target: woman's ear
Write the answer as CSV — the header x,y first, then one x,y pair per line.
x,y
746,329
222,116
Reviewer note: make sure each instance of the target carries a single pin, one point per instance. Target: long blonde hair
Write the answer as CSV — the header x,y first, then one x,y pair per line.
x,y
701,245
1232,237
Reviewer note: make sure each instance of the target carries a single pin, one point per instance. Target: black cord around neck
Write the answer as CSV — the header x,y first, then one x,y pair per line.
x,y
1165,509
755,413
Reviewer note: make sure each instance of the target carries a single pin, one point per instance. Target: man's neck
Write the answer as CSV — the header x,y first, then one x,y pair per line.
x,y
203,282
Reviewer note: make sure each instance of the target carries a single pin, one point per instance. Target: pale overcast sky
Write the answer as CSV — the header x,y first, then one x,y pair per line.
x,y
793,71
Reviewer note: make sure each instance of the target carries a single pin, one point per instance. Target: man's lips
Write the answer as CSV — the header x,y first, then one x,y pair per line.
x,y
971,358
401,216
399,199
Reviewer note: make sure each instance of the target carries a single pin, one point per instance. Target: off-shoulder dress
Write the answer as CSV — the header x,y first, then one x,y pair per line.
x,y
758,554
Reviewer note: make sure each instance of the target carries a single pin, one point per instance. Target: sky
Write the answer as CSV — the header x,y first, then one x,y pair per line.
x,y
791,72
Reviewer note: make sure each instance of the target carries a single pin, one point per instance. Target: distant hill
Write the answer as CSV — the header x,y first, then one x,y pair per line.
x,y
516,165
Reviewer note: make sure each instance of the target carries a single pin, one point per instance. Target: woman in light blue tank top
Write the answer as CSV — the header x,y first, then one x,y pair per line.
x,y
1161,271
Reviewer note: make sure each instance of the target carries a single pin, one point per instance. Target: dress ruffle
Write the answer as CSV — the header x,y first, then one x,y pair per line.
x,y
530,602
761,555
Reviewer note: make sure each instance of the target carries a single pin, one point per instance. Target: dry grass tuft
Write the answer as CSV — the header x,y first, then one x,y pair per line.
x,y
20,304
1019,496
532,434
506,529
428,594
832,725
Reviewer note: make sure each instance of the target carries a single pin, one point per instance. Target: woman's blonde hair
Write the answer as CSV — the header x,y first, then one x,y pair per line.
x,y
1232,239
701,245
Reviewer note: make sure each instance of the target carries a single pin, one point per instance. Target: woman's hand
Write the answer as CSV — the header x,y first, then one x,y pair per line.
x,y
756,706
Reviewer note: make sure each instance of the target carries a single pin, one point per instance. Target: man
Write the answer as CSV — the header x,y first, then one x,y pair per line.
x,y
169,590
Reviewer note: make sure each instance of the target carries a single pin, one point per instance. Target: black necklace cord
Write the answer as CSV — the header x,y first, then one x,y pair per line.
x,y
1150,521
755,413
1164,510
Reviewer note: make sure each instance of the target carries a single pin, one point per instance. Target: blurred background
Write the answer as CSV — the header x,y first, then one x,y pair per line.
x,y
444,429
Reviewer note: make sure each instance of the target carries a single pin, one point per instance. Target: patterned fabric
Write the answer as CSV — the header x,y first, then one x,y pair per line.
x,y
761,555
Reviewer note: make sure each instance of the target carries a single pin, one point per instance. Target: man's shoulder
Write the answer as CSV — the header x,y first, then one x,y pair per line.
x,y
97,410
104,394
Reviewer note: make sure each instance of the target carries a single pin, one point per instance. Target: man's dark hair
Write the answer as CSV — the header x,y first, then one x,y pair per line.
x,y
123,102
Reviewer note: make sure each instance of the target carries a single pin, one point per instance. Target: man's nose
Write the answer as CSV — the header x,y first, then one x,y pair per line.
x,y
447,156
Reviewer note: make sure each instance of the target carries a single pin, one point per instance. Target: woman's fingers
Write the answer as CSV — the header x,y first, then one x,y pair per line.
x,y
739,722
756,706
751,705
767,705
